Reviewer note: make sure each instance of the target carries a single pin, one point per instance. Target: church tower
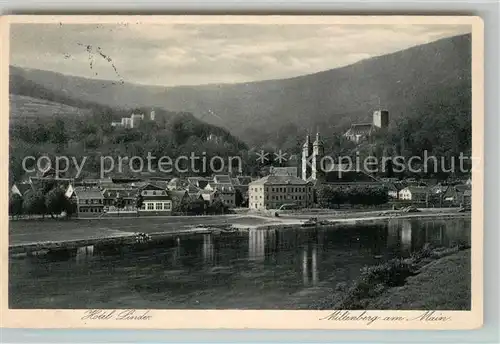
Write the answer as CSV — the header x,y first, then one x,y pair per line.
x,y
306,153
318,154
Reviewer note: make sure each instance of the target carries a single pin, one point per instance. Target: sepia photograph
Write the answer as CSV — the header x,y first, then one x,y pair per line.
x,y
242,164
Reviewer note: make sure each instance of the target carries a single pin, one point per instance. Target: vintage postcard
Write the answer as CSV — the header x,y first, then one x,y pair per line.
x,y
231,172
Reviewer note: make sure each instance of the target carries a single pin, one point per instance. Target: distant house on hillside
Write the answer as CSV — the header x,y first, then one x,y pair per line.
x,y
134,120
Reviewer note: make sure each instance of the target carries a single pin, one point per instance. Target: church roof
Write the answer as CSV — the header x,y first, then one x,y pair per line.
x,y
308,142
278,180
317,141
360,129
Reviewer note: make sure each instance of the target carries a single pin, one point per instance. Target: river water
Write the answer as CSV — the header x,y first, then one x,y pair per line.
x,y
259,269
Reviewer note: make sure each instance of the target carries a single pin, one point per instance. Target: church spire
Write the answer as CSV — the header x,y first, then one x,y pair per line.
x,y
318,140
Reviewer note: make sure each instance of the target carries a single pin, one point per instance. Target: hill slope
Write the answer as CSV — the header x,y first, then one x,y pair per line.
x,y
403,81
24,107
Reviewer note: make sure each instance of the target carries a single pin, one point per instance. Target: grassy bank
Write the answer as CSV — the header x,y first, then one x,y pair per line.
x,y
437,279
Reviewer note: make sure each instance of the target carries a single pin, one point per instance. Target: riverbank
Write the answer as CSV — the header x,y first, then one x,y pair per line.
x,y
33,236
431,279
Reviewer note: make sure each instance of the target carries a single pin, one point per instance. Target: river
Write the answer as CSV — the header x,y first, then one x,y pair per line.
x,y
258,269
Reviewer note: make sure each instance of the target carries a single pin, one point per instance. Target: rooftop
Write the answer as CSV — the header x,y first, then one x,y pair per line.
x,y
279,180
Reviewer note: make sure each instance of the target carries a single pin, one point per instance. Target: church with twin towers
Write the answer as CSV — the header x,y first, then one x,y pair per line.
x,y
314,152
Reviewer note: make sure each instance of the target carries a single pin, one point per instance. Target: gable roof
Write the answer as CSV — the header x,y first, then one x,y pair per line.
x,y
197,181
279,180
122,192
149,186
360,129
88,193
417,189
222,179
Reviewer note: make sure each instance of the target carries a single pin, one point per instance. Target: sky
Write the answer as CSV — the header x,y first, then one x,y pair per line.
x,y
194,54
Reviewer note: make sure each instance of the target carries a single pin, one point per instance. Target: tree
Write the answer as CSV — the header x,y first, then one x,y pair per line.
x,y
119,203
218,207
195,207
34,203
238,198
139,200
55,201
15,205
70,207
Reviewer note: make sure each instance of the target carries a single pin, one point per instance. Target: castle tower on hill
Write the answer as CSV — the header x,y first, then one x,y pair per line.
x,y
311,158
381,119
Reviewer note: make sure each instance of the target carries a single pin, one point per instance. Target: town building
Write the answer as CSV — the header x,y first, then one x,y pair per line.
x,y
271,192
393,188
180,199
177,184
362,131
226,191
156,201
199,182
89,201
127,194
209,196
414,193
454,195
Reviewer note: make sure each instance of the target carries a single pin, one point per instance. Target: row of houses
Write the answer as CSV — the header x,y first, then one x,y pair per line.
x,y
451,194
282,187
94,197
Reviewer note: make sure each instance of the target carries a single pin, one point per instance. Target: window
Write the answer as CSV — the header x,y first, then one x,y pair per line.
x,y
167,206
154,193
150,206
159,206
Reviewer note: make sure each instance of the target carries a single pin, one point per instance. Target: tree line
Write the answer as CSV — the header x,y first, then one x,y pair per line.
x,y
334,196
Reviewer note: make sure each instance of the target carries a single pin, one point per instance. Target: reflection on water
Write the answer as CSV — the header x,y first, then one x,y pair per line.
x,y
208,249
411,234
84,253
309,266
257,245
255,269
